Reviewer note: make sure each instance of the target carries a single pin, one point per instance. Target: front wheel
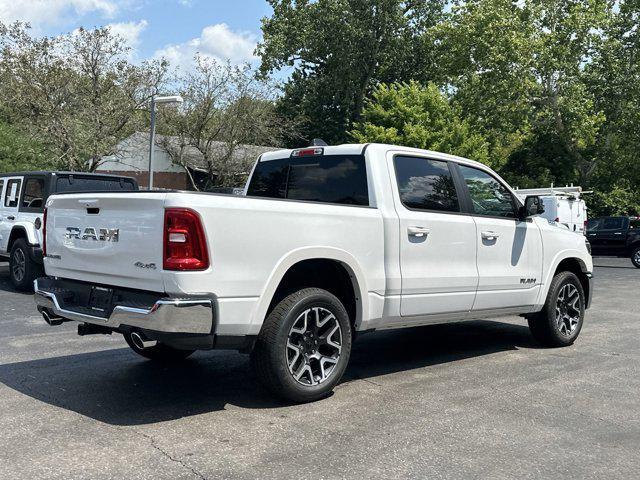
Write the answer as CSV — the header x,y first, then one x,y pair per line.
x,y
304,346
559,323
635,257
159,352
22,270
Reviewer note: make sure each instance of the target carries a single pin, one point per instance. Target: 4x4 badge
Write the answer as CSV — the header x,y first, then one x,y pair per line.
x,y
146,266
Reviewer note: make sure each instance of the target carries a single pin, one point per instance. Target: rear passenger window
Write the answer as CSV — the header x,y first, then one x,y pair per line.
x,y
12,193
33,193
1,186
612,223
594,225
488,196
426,184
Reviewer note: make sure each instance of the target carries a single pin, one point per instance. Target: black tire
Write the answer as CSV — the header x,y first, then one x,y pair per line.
x,y
545,325
159,352
271,355
635,257
22,269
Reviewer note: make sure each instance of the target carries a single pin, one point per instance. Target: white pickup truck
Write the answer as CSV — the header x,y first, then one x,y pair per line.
x,y
326,243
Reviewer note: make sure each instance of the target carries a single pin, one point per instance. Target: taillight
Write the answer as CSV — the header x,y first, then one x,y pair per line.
x,y
307,152
185,245
44,233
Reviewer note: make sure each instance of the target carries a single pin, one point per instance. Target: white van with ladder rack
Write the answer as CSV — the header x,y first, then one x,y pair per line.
x,y
563,205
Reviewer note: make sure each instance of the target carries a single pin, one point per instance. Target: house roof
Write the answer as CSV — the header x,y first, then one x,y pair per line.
x,y
137,145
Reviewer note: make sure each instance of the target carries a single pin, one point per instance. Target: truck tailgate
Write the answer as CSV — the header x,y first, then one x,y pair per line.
x,y
107,238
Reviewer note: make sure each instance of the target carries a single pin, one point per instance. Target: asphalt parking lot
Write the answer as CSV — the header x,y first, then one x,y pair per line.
x,y
471,400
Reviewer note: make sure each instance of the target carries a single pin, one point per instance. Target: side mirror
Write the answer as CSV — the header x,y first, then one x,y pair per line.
x,y
532,206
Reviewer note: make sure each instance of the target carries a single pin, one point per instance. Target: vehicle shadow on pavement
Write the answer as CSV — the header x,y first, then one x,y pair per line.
x,y
118,388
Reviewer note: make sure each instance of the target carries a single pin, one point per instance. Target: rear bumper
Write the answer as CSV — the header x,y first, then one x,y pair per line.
x,y
169,315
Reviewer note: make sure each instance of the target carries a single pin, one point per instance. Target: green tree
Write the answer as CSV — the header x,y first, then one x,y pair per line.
x,y
484,57
18,152
78,93
226,108
338,50
621,199
614,79
418,116
518,73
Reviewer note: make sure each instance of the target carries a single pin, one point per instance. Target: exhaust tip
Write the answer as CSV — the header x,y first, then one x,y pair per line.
x,y
50,319
142,342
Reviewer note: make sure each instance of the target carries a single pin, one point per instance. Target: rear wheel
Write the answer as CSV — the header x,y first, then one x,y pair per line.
x,y
559,323
635,257
22,270
304,346
159,352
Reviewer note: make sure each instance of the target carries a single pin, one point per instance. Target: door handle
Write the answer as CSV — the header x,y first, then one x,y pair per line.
x,y
488,235
418,231
11,217
618,233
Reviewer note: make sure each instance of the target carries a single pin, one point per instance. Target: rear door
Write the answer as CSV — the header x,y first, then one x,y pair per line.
x,y
31,206
437,240
9,209
609,236
509,250
2,184
581,216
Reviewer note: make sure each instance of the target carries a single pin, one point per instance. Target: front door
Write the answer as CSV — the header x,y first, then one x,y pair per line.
x,y
509,249
8,209
437,241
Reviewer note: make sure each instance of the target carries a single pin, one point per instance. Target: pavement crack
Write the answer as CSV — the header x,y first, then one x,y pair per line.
x,y
167,455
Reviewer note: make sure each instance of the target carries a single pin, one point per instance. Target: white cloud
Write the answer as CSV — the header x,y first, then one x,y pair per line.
x,y
216,41
42,13
129,31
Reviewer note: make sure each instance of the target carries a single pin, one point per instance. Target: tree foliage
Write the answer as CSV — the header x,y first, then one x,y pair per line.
x,y
338,50
416,116
225,109
19,152
77,93
552,86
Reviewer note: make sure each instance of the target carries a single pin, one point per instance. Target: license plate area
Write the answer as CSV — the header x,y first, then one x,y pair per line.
x,y
100,299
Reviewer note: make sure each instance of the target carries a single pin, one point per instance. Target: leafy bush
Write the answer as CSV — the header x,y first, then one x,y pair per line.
x,y
418,116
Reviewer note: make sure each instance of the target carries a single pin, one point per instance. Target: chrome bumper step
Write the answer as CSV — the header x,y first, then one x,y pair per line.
x,y
170,315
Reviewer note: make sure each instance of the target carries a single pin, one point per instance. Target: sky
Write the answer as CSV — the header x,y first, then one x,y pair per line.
x,y
173,29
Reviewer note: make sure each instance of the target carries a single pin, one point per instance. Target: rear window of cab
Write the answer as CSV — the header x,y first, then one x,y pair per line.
x,y
338,179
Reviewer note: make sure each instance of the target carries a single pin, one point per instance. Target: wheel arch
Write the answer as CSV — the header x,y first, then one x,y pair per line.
x,y
22,230
633,245
16,234
577,266
312,267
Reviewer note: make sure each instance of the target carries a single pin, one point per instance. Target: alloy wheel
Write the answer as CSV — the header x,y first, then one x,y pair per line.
x,y
18,265
568,309
314,346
